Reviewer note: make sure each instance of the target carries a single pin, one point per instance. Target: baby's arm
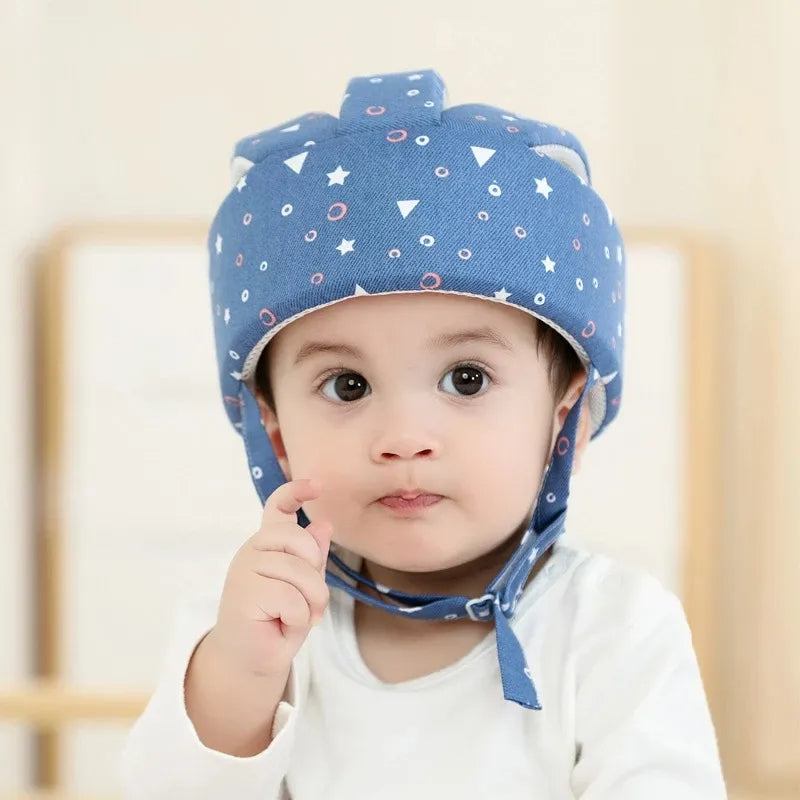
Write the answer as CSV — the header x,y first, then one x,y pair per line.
x,y
643,726
164,757
216,726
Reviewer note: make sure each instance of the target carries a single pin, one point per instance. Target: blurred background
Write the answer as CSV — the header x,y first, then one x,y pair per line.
x,y
122,117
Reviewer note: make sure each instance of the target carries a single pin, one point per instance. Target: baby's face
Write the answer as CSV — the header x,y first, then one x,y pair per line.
x,y
472,421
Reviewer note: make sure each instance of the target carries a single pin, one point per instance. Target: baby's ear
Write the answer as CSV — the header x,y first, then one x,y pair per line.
x,y
270,422
583,432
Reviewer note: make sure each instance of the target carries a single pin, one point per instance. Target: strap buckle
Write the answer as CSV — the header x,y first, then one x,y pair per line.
x,y
479,616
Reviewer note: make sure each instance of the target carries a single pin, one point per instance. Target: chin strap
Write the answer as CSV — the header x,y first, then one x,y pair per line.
x,y
499,602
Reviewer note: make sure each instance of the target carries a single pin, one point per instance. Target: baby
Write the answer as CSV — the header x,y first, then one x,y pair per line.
x,y
419,321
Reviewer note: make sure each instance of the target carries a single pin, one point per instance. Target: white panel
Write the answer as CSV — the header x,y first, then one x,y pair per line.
x,y
157,494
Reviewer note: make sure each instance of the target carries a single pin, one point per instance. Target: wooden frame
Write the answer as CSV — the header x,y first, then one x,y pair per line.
x,y
48,704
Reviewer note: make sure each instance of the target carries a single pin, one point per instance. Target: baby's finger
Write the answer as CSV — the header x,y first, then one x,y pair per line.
x,y
290,539
286,500
300,574
321,530
278,600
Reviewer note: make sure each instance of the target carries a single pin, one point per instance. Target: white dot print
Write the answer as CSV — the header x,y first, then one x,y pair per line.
x,y
608,253
263,266
234,355
595,282
451,616
422,140
429,104
376,80
551,498
585,219
412,92
286,210
465,254
245,295
579,284
619,329
495,190
309,143
258,473
539,299
483,216
426,240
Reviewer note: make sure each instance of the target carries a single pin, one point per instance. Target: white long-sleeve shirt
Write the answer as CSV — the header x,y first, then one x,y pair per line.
x,y
624,716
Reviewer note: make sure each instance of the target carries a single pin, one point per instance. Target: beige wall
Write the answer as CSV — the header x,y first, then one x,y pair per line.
x,y
688,110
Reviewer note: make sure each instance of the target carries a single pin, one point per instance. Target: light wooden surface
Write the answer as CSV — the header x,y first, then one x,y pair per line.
x,y
49,704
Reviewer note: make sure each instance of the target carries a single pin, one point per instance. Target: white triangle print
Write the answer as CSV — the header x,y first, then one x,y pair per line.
x,y
406,206
359,290
291,128
482,154
296,162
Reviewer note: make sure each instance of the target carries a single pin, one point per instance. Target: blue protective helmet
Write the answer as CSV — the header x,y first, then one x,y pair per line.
x,y
400,194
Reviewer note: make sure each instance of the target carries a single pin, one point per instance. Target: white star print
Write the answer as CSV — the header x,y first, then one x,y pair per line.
x,y
346,246
502,294
542,187
549,266
219,244
242,183
337,176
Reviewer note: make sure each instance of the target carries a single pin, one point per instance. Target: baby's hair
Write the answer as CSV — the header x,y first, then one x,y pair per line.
x,y
564,363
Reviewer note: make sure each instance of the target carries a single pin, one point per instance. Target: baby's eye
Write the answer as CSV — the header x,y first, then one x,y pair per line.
x,y
467,378
347,386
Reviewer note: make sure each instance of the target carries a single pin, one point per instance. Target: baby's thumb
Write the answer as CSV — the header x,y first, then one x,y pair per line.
x,y
322,530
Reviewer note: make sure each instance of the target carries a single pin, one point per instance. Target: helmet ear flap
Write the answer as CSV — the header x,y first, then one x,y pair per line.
x,y
567,157
240,166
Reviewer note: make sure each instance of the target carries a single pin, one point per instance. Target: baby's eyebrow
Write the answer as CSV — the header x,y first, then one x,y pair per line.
x,y
440,341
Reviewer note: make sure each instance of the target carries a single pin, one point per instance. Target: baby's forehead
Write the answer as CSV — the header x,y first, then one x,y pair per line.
x,y
415,324
415,311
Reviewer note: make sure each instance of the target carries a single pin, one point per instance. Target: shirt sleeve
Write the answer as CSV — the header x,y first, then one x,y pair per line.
x,y
164,758
643,727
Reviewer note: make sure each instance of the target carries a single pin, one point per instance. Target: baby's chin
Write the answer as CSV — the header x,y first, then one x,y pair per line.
x,y
417,549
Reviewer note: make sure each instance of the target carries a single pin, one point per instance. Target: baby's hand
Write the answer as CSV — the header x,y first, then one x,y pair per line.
x,y
275,587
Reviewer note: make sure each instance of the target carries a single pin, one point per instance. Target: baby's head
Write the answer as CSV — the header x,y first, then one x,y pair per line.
x,y
457,396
